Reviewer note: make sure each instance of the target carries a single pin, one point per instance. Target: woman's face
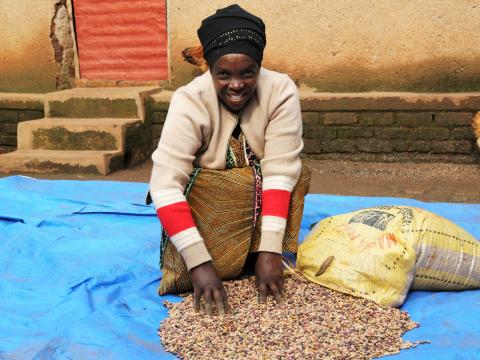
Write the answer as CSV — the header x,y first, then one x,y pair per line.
x,y
235,79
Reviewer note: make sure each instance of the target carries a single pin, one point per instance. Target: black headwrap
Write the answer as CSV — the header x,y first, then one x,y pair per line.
x,y
232,30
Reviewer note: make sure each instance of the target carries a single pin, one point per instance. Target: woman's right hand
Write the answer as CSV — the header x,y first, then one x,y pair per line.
x,y
208,285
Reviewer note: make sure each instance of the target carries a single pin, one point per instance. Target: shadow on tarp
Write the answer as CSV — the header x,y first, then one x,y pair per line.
x,y
79,272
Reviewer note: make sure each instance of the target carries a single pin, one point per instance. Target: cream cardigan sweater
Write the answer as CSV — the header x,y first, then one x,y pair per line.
x,y
196,133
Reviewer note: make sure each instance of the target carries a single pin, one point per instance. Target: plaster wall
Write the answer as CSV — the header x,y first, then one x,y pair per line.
x,y
351,45
27,58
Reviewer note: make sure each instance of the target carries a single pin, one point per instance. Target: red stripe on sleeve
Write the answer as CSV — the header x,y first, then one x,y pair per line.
x,y
275,203
176,217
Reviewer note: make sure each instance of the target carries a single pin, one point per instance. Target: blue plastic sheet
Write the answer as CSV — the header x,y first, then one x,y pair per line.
x,y
79,272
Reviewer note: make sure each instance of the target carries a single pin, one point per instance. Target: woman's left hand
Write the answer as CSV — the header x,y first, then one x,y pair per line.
x,y
269,276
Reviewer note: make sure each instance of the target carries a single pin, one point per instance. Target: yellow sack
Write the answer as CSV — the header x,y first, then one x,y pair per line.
x,y
379,253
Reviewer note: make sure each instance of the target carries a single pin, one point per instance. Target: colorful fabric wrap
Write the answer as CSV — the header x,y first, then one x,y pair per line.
x,y
226,207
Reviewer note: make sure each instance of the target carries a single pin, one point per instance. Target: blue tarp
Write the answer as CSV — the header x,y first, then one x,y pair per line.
x,y
79,272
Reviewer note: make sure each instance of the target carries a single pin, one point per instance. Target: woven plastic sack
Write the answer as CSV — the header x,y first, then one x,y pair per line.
x,y
380,253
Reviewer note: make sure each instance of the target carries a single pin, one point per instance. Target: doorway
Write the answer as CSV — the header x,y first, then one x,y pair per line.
x,y
121,40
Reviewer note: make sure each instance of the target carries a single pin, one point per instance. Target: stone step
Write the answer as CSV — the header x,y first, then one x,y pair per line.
x,y
61,161
75,134
128,102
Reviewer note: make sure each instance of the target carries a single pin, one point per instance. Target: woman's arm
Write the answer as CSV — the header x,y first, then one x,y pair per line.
x,y
281,167
172,165
281,164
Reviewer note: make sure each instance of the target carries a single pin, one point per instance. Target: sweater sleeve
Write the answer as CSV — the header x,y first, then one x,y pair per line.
x,y
281,164
172,165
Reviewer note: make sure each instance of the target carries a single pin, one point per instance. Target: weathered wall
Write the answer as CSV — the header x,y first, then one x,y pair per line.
x,y
375,126
328,45
349,45
36,46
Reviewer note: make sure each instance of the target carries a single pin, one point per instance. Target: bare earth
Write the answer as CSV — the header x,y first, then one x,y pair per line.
x,y
435,182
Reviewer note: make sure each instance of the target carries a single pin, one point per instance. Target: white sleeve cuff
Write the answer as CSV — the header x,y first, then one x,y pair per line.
x,y
278,182
195,255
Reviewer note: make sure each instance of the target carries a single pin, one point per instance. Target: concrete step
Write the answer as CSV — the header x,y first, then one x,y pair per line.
x,y
61,161
75,134
128,102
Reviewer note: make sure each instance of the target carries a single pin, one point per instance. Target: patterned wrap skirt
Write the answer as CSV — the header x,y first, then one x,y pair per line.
x,y
226,207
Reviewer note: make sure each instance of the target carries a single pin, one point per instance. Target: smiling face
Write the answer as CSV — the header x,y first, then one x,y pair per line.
x,y
235,79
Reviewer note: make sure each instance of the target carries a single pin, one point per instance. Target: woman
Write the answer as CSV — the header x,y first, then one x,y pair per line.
x,y
238,118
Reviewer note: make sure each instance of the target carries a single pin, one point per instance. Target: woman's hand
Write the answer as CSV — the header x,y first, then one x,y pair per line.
x,y
208,285
269,276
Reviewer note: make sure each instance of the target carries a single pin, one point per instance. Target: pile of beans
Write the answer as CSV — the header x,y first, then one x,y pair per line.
x,y
312,323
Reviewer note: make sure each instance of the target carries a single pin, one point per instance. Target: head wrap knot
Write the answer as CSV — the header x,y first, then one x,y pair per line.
x,y
232,30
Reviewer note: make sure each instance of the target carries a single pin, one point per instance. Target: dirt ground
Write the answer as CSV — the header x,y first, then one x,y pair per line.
x,y
435,182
